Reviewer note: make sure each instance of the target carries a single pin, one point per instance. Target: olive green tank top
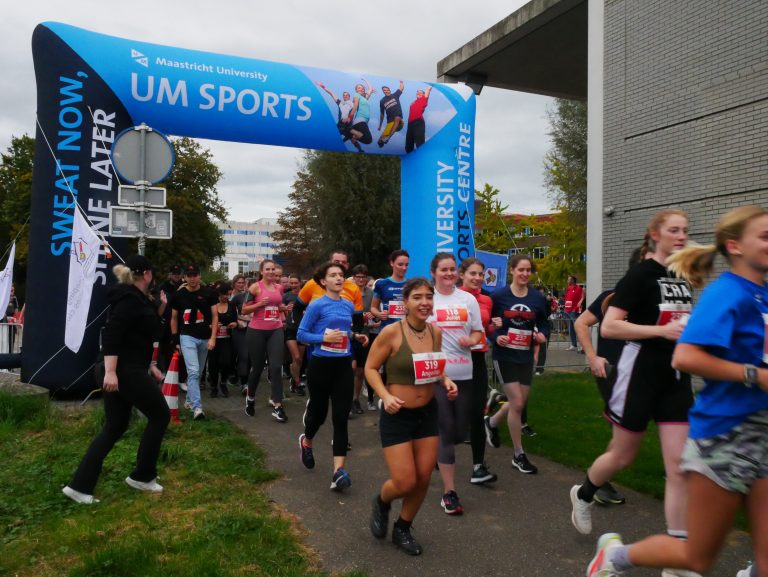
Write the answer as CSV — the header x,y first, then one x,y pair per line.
x,y
399,366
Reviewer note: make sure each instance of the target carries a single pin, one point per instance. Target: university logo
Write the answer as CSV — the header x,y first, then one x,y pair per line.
x,y
140,58
81,250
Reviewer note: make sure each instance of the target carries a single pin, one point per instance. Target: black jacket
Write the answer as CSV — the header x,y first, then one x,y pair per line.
x,y
132,326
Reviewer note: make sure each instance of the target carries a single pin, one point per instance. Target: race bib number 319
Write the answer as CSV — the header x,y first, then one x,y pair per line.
x,y
427,367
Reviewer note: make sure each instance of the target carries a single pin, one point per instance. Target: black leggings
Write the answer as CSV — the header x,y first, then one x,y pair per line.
x,y
136,389
240,346
477,411
263,345
330,379
453,420
220,363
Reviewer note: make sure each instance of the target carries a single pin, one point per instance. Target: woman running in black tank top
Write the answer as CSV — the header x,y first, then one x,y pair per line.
x,y
408,417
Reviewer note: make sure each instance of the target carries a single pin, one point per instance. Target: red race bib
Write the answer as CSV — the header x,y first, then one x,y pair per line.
x,y
427,367
453,318
669,312
339,348
396,309
222,332
519,339
271,314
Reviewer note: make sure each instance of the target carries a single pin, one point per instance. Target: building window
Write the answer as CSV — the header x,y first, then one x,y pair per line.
x,y
540,252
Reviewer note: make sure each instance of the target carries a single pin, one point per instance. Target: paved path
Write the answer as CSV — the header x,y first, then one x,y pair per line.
x,y
519,526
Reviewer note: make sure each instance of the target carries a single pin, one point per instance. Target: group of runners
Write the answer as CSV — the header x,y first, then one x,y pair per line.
x,y
420,346
354,114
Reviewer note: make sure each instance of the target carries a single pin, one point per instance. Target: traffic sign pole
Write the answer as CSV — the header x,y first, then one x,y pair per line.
x,y
142,184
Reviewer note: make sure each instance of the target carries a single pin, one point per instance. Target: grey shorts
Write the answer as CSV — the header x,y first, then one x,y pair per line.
x,y
733,460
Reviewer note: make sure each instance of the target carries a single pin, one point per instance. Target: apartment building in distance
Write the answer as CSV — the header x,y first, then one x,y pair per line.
x,y
246,244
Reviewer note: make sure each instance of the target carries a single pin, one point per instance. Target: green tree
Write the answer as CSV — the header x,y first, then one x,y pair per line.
x,y
194,199
15,197
347,201
491,232
566,247
192,196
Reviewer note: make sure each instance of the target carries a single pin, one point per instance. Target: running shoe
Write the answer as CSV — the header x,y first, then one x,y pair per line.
x,y
581,515
608,495
198,414
600,566
493,399
372,406
571,348
481,475
356,408
341,480
306,456
278,413
491,433
451,504
522,464
244,390
539,372
404,540
527,430
150,486
84,498
680,573
297,389
745,572
250,407
188,405
379,519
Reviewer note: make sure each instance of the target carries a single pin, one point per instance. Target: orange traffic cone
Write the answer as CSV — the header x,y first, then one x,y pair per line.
x,y
171,389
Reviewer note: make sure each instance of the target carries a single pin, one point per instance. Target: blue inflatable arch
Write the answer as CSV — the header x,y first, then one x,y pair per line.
x,y
91,87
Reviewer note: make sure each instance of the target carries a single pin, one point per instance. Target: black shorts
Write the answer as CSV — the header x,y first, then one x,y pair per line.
x,y
408,424
646,387
290,334
362,127
507,372
360,353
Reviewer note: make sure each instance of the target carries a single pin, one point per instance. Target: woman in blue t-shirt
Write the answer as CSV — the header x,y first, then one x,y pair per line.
x,y
726,455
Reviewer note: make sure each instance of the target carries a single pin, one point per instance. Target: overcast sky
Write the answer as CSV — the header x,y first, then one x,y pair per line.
x,y
397,38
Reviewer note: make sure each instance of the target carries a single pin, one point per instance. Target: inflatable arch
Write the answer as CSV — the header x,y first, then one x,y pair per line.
x,y
90,87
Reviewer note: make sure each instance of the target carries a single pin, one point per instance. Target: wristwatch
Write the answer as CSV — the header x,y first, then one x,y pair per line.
x,y
750,375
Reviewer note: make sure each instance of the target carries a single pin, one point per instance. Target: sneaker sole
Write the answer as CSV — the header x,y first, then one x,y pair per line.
x,y
524,471
458,511
600,501
483,480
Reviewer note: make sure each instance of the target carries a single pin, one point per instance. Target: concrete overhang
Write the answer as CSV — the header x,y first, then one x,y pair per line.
x,y
541,48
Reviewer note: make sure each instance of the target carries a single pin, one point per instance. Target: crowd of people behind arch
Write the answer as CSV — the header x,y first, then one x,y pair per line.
x,y
419,349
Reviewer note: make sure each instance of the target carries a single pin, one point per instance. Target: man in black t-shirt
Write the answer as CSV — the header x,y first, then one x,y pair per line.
x,y
194,322
390,104
166,347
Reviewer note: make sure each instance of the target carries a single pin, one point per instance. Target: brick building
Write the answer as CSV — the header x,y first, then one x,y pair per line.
x,y
678,105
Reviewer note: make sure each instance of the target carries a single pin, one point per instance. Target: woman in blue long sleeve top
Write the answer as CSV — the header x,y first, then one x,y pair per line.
x,y
326,327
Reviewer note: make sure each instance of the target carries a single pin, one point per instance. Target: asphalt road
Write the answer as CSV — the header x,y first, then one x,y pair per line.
x,y
518,526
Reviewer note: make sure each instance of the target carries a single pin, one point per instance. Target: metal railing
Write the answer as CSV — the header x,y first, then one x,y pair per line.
x,y
10,341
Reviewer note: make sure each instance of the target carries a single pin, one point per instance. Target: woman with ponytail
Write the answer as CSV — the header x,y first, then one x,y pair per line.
x,y
726,455
648,310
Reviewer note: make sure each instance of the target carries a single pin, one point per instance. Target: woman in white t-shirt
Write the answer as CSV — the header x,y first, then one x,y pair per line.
x,y
458,315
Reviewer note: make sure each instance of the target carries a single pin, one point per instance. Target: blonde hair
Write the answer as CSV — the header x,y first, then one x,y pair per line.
x,y
125,275
695,261
654,224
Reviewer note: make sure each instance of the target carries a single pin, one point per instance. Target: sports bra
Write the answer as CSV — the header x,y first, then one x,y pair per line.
x,y
399,366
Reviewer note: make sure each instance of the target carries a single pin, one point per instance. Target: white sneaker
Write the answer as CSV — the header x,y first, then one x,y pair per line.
x,y
183,386
682,573
744,572
79,497
188,405
570,348
151,486
198,414
600,566
581,516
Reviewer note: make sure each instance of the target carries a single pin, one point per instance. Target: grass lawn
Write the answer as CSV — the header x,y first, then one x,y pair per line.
x,y
213,519
565,409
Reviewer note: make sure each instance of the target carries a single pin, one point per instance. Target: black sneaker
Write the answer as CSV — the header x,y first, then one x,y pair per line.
x,y
451,504
306,455
527,430
379,519
250,407
278,412
356,408
481,475
491,433
524,465
608,495
405,541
